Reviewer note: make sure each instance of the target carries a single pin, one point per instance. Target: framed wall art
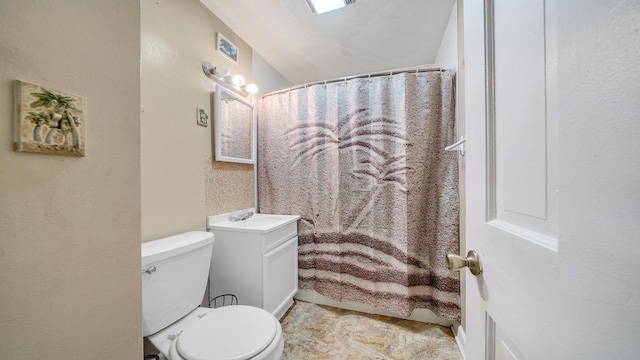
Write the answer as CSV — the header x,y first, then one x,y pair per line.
x,y
48,121
202,117
227,48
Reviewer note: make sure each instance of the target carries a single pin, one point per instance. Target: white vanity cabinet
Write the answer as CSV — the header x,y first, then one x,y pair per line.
x,y
256,260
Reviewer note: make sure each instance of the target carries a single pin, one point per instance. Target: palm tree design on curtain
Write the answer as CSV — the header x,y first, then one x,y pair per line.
x,y
358,131
61,118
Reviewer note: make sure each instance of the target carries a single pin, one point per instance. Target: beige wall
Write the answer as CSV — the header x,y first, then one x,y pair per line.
x,y
450,57
462,170
181,184
447,56
69,226
268,77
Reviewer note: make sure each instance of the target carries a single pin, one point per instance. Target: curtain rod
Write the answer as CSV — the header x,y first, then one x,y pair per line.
x,y
362,76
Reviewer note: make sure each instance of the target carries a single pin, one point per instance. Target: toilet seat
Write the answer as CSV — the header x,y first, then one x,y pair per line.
x,y
230,333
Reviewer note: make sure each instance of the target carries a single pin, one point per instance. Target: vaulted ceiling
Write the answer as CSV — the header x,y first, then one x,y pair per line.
x,y
368,36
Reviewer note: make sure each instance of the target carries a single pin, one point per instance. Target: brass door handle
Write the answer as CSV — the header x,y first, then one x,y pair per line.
x,y
472,261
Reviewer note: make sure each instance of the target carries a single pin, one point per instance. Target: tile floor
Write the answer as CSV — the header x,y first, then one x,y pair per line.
x,y
314,331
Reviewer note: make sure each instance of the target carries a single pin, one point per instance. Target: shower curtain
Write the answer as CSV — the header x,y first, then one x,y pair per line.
x,y
362,162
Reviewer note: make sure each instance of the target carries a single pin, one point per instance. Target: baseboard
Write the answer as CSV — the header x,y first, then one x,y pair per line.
x,y
461,339
283,308
421,315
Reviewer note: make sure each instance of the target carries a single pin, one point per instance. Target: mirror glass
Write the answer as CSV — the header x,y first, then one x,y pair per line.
x,y
235,127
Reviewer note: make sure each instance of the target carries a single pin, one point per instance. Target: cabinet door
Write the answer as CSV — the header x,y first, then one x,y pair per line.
x,y
280,276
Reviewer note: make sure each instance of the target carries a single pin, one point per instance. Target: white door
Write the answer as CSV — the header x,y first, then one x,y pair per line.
x,y
551,101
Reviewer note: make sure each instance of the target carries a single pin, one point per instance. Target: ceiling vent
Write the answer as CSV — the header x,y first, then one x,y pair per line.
x,y
323,6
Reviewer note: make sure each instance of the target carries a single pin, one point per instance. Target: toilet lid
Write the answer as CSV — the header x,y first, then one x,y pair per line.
x,y
230,333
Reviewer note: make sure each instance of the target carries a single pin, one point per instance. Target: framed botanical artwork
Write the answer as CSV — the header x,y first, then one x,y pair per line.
x,y
48,121
202,117
227,48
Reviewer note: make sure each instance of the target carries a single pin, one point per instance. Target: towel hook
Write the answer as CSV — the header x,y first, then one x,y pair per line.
x,y
457,146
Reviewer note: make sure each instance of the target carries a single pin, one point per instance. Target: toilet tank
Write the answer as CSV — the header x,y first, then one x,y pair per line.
x,y
174,277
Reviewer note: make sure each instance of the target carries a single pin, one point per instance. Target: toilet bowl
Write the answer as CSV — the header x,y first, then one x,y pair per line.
x,y
174,276
234,332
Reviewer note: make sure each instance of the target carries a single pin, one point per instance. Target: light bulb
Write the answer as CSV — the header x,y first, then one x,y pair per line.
x,y
238,80
252,88
222,70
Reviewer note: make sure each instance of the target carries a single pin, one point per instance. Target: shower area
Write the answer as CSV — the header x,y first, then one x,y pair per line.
x,y
363,162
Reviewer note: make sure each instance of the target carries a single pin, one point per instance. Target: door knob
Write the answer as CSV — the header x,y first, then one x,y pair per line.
x,y
472,261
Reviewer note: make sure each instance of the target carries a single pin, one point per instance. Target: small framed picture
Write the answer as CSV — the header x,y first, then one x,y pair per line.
x,y
48,121
202,117
227,48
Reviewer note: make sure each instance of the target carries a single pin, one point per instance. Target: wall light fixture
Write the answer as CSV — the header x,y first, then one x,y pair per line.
x,y
222,76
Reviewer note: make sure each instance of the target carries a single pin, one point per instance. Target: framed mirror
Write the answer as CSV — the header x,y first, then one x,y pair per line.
x,y
234,128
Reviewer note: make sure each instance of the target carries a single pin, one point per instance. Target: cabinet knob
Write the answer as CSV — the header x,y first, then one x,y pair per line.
x,y
150,270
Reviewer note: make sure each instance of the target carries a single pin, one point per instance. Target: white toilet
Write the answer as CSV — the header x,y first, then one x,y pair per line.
x,y
174,277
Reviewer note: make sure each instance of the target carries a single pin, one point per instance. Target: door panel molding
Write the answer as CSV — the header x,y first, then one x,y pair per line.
x,y
490,116
547,242
520,169
520,108
490,337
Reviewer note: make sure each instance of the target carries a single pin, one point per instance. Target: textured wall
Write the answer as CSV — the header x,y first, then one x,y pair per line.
x,y
69,226
228,186
177,36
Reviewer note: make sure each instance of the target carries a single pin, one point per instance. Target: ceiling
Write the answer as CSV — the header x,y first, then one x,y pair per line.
x,y
368,36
